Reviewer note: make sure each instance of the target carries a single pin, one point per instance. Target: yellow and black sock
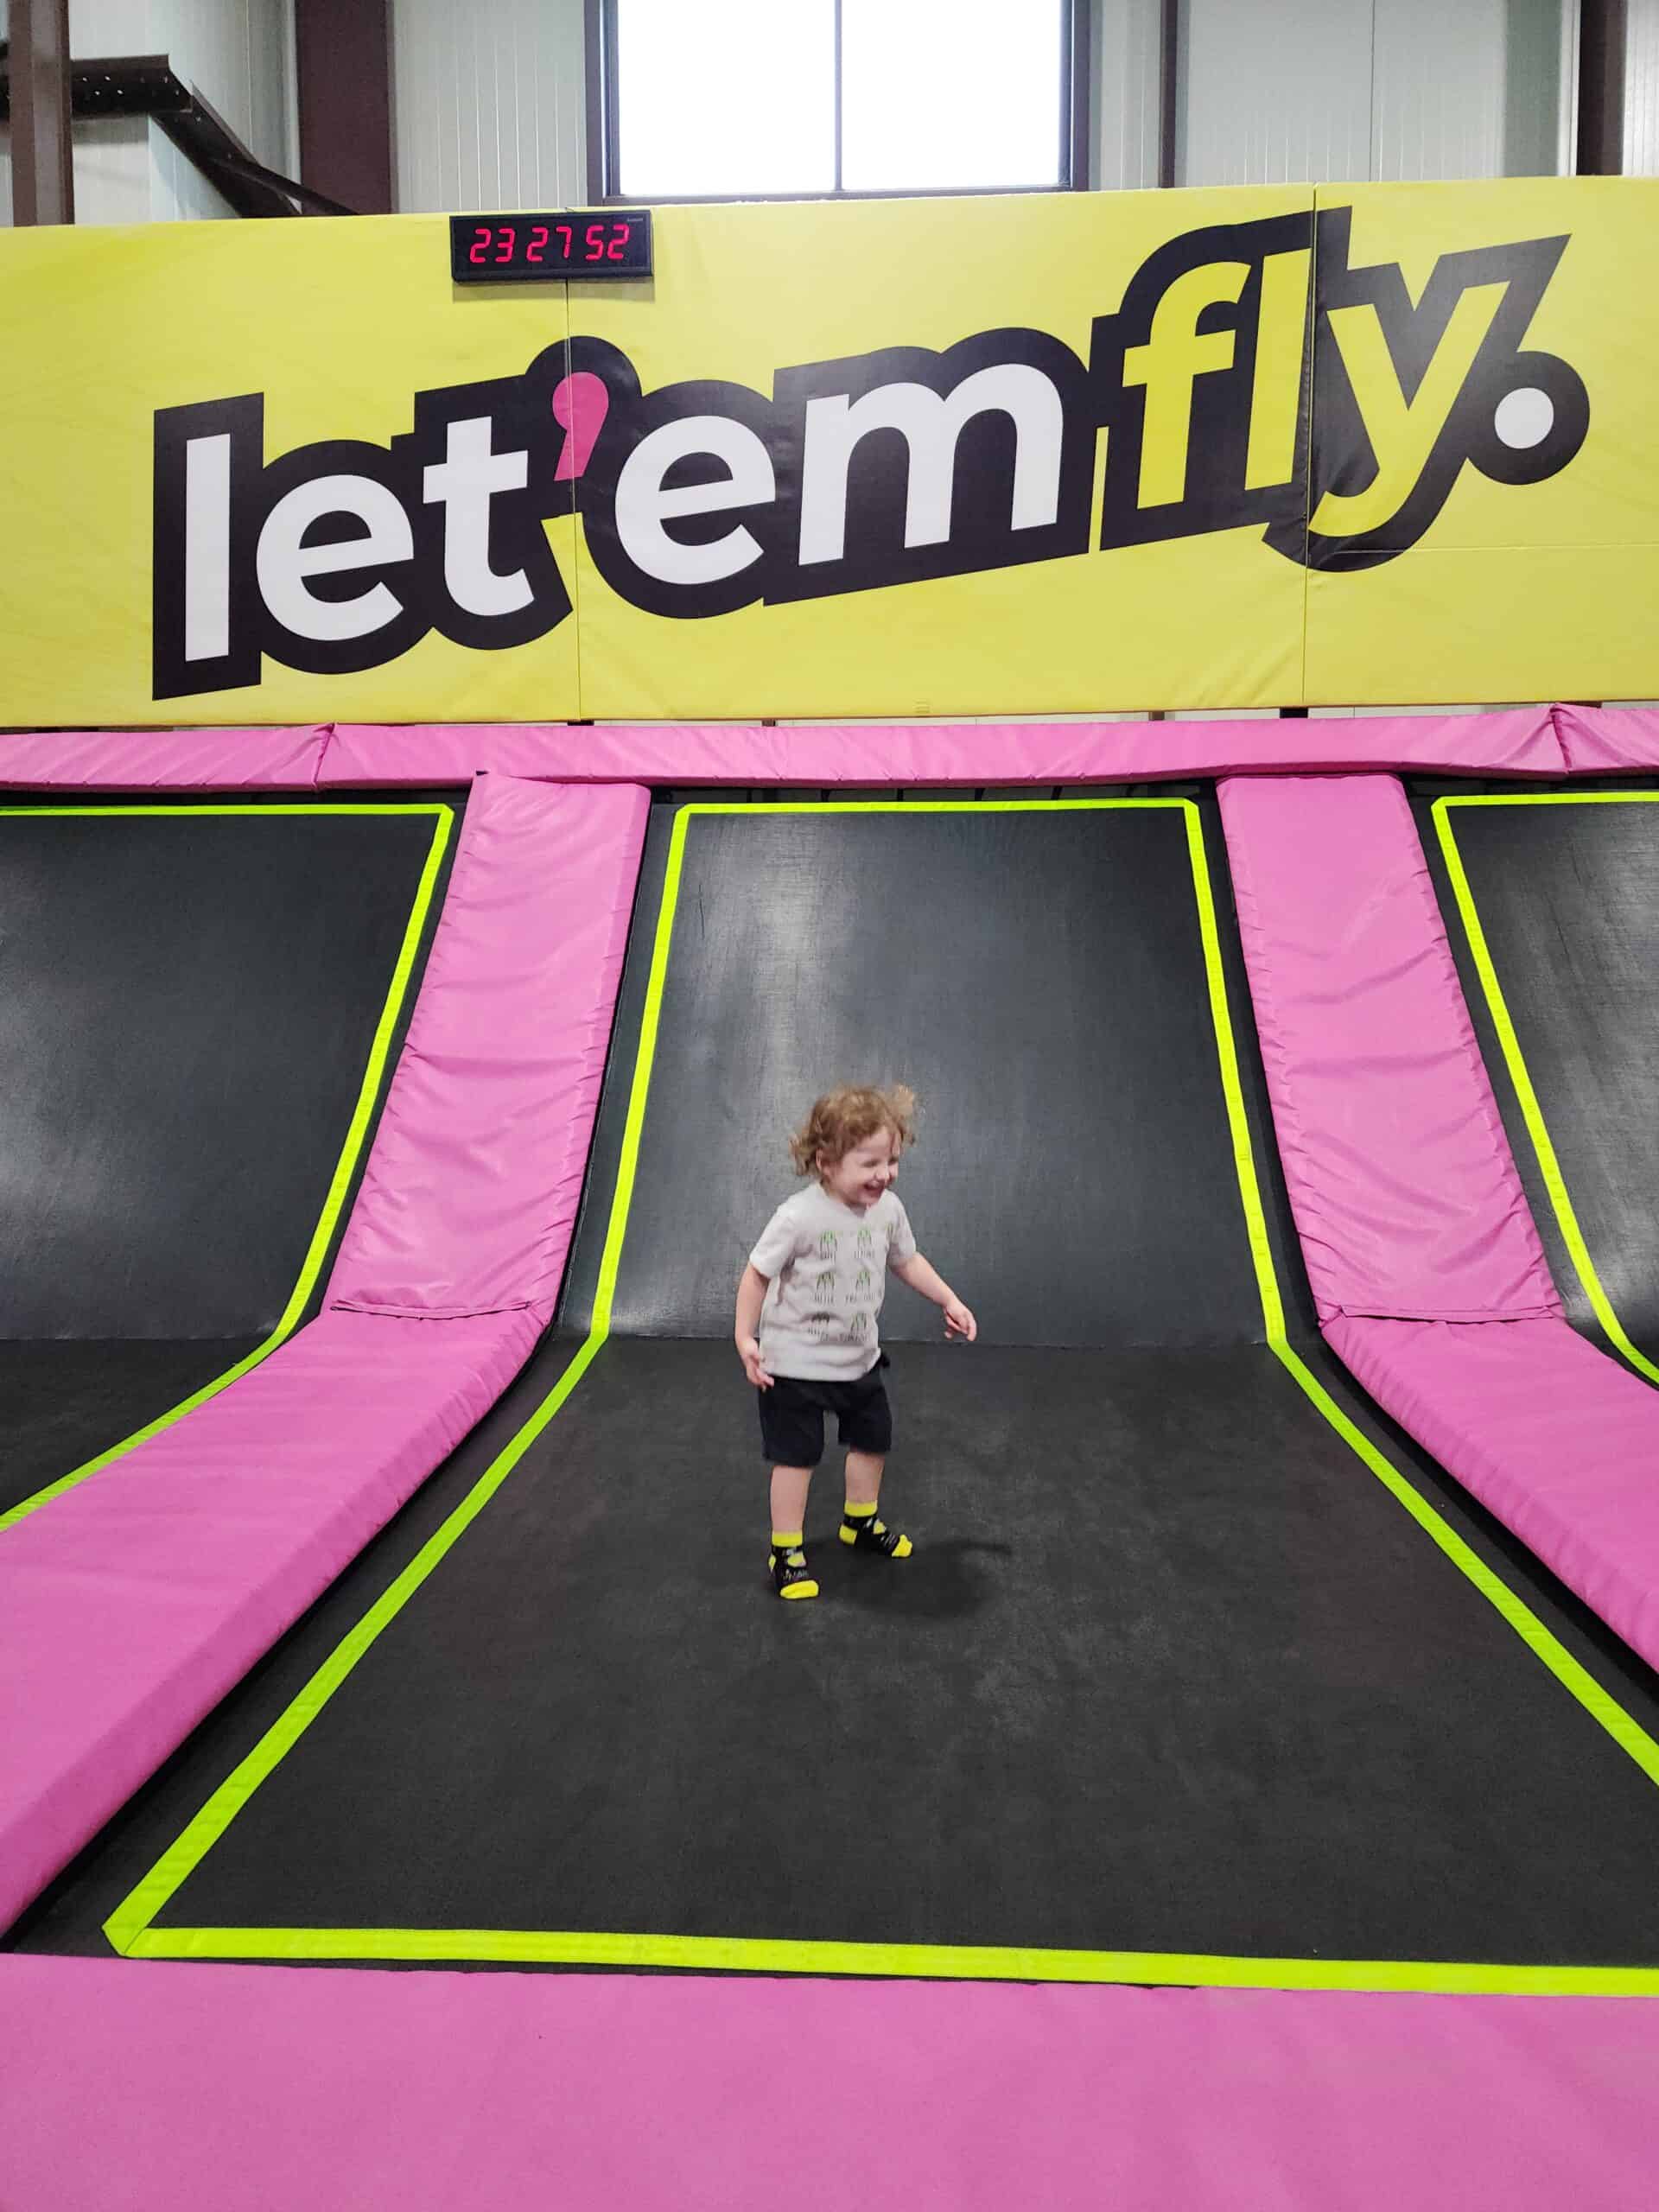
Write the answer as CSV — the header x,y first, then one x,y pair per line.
x,y
860,1529
790,1576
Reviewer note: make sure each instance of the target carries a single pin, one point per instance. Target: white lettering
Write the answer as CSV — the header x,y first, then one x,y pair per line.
x,y
283,563
463,484
643,506
208,549
932,427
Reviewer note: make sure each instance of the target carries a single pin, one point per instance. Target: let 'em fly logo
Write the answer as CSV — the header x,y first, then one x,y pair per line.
x,y
882,468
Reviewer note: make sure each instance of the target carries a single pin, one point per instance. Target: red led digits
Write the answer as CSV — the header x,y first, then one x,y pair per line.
x,y
531,247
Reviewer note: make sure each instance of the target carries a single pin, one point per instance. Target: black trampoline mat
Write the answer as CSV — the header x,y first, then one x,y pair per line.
x,y
1566,893
194,1011
1170,1673
1173,1683
64,1401
1036,975
188,1003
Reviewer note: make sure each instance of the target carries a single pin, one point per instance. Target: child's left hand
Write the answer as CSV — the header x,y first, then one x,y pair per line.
x,y
959,1322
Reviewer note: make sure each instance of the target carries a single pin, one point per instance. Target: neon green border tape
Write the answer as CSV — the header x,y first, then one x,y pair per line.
x,y
357,1129
1531,1112
131,1928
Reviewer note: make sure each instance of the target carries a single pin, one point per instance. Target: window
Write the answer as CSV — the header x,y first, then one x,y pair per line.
x,y
752,99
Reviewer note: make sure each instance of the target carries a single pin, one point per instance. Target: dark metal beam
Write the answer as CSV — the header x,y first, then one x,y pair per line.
x,y
603,131
342,52
144,85
250,188
1602,31
42,156
1169,86
1077,119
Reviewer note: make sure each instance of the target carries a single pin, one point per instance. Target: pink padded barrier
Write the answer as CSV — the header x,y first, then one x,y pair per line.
x,y
164,760
131,1604
1400,1175
471,1187
1560,1442
131,2088
1517,742
1608,740
1426,1266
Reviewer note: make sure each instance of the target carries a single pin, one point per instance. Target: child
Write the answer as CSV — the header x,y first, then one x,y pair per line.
x,y
806,1318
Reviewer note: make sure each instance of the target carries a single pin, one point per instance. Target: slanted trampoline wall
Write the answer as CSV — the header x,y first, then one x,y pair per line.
x,y
1431,1279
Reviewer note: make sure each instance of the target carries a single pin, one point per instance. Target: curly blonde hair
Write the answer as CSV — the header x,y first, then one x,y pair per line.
x,y
847,1116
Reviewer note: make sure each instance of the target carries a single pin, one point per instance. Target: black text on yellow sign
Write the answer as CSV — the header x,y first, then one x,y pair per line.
x,y
1249,376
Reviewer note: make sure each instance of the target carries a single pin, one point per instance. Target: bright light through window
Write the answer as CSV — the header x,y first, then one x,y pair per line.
x,y
715,98
949,94
726,96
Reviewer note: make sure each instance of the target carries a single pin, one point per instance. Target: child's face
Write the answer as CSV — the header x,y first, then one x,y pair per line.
x,y
859,1176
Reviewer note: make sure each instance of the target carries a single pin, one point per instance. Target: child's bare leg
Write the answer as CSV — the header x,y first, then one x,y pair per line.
x,y
863,1477
859,1524
788,1489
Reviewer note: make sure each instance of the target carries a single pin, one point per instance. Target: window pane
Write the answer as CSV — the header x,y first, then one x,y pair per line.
x,y
942,94
726,96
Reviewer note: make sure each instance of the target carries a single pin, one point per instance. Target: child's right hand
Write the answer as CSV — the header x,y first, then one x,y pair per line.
x,y
749,1352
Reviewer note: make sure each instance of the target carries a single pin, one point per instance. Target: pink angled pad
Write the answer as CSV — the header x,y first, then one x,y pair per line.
x,y
1399,1173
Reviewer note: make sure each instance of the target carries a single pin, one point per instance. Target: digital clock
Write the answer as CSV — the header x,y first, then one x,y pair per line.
x,y
528,249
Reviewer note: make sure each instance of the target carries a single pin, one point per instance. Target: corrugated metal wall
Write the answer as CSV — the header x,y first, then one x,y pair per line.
x,y
1278,92
1127,88
1642,89
488,104
1350,91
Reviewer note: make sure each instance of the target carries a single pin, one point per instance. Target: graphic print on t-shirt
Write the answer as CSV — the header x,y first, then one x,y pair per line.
x,y
826,1272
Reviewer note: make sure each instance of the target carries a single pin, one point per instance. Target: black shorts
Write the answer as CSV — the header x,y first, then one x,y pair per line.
x,y
792,1411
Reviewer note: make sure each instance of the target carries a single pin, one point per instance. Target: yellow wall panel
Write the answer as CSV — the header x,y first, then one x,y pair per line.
x,y
336,323
1505,627
1068,451
749,295
1512,590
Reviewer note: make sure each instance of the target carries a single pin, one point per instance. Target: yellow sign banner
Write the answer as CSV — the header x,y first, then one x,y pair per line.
x,y
1071,453
1522,333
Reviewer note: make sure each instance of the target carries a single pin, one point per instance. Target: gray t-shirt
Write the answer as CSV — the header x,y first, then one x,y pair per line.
x,y
827,1266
